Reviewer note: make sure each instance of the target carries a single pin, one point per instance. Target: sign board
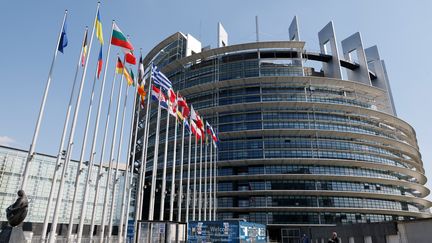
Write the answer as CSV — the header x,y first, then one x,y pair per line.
x,y
226,231
130,229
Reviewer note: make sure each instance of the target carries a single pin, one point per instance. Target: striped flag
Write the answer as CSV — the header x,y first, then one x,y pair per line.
x,y
158,96
163,101
98,26
186,125
172,102
141,91
155,93
119,39
193,114
119,66
129,76
84,49
181,102
129,57
100,62
211,132
160,79
195,130
140,71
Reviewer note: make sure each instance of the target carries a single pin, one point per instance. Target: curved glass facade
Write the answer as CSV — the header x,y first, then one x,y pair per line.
x,y
297,146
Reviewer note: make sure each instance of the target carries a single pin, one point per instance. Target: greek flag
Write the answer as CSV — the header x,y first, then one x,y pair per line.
x,y
160,79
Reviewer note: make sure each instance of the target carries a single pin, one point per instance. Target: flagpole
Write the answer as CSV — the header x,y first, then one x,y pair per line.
x,y
60,153
154,169
71,141
93,150
80,167
215,184
110,161
124,207
31,152
211,182
188,176
141,175
200,181
116,180
173,172
99,174
205,179
194,185
180,194
128,184
163,189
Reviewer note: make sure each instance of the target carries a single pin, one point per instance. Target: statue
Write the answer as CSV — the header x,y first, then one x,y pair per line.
x,y
17,212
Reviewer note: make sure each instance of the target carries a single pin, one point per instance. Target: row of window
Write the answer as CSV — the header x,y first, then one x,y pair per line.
x,y
313,201
306,169
241,126
258,154
310,218
312,143
312,185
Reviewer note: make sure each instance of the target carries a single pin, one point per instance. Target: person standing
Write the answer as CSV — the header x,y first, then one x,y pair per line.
x,y
334,238
305,239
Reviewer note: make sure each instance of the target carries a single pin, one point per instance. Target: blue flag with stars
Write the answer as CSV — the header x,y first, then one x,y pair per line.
x,y
63,39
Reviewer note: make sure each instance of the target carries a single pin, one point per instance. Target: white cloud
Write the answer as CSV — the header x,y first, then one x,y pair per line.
x,y
6,141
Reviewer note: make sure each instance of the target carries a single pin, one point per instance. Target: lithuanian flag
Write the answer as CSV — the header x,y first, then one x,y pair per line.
x,y
128,77
119,39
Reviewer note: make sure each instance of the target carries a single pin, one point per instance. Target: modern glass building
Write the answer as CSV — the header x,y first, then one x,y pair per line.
x,y
12,162
308,138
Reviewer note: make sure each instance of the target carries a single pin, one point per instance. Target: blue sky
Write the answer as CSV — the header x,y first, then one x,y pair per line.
x,y
401,29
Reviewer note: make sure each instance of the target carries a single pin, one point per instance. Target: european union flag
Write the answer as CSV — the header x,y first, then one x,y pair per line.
x,y
63,39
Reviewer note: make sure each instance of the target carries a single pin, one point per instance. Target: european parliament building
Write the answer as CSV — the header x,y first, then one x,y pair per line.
x,y
307,138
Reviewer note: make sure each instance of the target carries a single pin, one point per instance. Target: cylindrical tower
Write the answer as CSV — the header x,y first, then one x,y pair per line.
x,y
301,145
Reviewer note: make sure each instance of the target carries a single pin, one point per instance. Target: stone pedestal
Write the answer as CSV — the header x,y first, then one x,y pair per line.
x,y
12,234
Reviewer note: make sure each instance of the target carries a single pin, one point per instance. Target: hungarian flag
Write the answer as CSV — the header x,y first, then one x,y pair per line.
x,y
130,58
99,67
98,26
119,66
84,49
119,39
